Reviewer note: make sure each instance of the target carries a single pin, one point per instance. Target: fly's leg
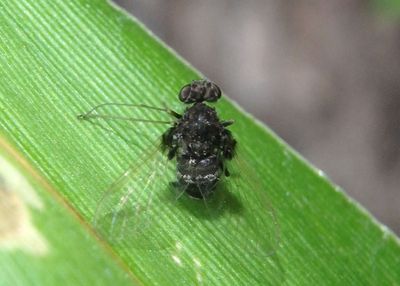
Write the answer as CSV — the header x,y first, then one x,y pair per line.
x,y
228,144
168,144
224,169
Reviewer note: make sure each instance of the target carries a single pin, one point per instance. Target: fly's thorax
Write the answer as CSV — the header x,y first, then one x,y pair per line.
x,y
199,131
200,112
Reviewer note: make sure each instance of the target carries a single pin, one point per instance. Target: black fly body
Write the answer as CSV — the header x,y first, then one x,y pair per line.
x,y
199,140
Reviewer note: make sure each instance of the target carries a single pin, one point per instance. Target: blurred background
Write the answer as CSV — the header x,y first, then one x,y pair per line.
x,y
324,75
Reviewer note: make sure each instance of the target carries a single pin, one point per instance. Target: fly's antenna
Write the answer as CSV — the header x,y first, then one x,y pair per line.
x,y
95,113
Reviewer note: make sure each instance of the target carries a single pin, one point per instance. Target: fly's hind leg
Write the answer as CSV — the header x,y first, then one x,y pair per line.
x,y
224,169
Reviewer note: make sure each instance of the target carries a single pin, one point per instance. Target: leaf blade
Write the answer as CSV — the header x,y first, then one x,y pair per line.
x,y
59,59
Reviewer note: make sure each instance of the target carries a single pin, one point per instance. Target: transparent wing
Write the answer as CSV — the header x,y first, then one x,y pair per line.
x,y
255,215
128,207
128,212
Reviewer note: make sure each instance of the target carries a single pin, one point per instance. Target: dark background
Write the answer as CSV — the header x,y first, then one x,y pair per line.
x,y
324,75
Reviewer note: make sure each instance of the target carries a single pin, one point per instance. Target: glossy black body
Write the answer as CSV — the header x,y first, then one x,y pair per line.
x,y
201,144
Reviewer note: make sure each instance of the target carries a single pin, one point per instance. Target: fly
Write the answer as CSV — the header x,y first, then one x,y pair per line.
x,y
204,150
200,141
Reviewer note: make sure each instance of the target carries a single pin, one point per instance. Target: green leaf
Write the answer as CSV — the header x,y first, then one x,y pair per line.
x,y
59,59
42,240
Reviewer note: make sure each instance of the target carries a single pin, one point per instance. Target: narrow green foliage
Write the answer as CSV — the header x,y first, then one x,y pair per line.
x,y
58,59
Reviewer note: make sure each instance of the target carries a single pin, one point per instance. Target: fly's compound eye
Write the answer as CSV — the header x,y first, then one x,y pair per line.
x,y
192,92
199,91
212,91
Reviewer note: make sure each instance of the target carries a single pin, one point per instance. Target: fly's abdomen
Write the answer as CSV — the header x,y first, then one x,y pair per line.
x,y
198,177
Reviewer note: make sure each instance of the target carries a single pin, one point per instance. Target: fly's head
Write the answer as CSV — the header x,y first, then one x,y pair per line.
x,y
200,91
